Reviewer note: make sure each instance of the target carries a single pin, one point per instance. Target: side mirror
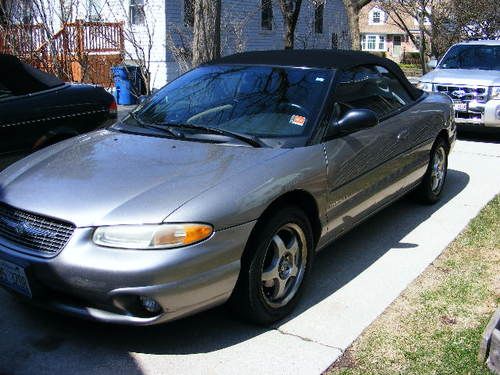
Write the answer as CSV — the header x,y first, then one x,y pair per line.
x,y
432,64
141,99
354,120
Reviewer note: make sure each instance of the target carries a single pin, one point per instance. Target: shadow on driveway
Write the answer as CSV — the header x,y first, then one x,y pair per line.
x,y
487,135
30,335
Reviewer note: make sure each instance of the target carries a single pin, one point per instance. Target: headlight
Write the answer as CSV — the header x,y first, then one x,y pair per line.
x,y
426,86
162,236
495,93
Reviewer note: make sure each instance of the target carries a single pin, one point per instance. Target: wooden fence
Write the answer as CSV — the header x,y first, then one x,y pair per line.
x,y
80,51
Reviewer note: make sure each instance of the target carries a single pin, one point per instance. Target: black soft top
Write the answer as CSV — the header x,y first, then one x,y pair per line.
x,y
318,58
22,79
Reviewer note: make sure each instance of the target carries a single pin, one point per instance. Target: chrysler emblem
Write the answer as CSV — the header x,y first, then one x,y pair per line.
x,y
25,229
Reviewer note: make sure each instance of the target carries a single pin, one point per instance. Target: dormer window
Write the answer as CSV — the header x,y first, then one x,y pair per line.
x,y
376,17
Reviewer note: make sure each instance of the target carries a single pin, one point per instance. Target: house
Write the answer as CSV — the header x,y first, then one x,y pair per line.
x,y
160,31
381,34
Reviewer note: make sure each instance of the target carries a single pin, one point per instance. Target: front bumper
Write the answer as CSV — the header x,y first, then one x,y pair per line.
x,y
480,114
105,284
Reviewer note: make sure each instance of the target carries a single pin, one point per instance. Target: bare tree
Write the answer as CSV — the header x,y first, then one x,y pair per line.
x,y
291,11
480,21
353,7
310,36
139,28
404,13
180,38
234,25
179,44
206,33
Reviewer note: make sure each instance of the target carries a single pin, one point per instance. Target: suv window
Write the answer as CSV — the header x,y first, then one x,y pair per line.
x,y
370,87
463,56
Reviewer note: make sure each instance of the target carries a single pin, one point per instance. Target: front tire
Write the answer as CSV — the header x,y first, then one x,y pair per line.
x,y
275,267
431,187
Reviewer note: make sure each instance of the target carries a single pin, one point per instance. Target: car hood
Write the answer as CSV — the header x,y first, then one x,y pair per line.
x,y
463,77
107,178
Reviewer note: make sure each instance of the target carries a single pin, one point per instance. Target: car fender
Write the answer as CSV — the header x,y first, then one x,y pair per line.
x,y
243,198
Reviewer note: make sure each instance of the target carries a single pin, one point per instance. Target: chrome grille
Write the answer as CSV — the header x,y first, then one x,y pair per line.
x,y
464,93
33,233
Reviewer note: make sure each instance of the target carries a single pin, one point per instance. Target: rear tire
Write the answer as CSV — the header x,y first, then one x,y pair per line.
x,y
275,267
431,187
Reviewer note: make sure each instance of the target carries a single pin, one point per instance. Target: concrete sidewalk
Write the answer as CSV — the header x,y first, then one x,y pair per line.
x,y
353,282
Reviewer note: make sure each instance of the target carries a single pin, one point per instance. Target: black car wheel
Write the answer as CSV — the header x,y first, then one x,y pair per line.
x,y
431,187
275,267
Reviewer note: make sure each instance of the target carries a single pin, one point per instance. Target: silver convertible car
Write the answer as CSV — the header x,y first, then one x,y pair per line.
x,y
220,187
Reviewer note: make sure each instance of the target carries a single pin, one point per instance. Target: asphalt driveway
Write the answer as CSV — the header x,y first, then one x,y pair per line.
x,y
354,280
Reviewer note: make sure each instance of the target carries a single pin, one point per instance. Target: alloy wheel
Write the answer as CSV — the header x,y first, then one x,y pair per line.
x,y
438,170
284,265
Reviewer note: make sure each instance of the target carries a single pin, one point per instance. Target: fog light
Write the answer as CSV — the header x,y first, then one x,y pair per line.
x,y
150,305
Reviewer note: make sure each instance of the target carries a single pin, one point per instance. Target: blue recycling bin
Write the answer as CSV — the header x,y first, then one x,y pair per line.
x,y
129,84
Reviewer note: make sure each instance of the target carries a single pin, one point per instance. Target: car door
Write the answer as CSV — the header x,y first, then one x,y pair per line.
x,y
366,168
18,114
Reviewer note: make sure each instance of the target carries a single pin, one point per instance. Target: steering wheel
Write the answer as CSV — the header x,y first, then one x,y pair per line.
x,y
209,111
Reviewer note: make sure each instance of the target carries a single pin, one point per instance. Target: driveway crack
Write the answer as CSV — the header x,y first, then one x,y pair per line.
x,y
308,340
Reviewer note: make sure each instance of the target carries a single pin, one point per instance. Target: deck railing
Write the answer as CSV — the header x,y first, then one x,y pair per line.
x,y
76,52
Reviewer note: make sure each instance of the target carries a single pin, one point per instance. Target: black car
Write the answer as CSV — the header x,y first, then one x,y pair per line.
x,y
38,109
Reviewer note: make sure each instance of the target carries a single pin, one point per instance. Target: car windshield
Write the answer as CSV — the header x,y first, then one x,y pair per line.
x,y
462,56
260,101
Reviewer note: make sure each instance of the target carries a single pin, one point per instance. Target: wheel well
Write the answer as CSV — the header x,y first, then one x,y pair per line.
x,y
443,134
54,136
304,201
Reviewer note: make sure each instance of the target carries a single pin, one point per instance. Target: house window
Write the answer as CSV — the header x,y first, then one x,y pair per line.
x,y
345,38
335,41
376,17
25,12
371,42
137,15
381,42
189,13
318,18
94,10
267,15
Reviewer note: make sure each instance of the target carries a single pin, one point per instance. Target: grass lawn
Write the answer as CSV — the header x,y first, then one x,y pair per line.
x,y
435,326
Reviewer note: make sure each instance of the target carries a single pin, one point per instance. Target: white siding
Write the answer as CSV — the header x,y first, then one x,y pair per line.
x,y
242,15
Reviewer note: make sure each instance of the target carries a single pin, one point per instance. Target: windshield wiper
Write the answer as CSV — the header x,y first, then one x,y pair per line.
x,y
145,124
247,138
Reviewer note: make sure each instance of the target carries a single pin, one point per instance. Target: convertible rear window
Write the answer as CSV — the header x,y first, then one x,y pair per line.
x,y
265,101
370,87
18,78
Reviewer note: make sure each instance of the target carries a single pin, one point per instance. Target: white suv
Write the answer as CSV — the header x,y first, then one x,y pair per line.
x,y
469,73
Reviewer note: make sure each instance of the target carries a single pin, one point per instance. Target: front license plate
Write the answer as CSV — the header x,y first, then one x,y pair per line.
x,y
461,107
13,277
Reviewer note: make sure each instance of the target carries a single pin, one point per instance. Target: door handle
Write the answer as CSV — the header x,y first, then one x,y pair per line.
x,y
402,135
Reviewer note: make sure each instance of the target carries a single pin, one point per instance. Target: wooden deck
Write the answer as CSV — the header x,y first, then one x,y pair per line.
x,y
79,52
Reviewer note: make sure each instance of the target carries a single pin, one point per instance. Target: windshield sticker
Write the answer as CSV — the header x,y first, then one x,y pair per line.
x,y
297,120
